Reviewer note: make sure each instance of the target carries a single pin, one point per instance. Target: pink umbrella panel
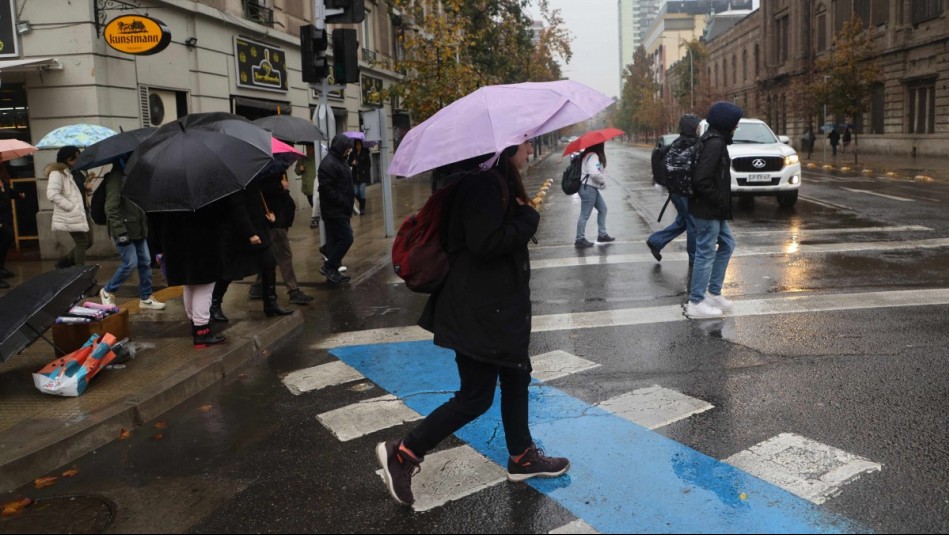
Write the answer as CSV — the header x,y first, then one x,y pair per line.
x,y
492,118
592,138
11,149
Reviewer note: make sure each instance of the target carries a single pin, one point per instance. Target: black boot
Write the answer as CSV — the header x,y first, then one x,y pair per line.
x,y
217,297
362,206
203,336
254,292
271,308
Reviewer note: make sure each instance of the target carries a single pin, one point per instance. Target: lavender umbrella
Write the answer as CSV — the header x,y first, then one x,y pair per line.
x,y
492,118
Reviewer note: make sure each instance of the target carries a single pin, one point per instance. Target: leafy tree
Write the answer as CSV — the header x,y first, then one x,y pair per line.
x,y
641,111
691,92
553,47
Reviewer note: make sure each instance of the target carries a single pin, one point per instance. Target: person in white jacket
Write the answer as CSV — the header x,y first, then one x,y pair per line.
x,y
594,180
68,196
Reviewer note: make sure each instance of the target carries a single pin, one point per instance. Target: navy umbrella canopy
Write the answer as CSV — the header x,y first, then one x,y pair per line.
x,y
196,160
29,309
112,148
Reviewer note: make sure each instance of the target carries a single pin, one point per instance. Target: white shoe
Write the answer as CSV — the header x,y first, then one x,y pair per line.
x,y
719,301
151,303
702,310
106,297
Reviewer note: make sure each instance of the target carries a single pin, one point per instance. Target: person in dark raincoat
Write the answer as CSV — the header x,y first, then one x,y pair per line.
x,y
483,313
361,164
8,195
336,206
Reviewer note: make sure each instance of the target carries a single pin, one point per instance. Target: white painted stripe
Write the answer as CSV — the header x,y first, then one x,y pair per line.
x,y
828,204
643,316
451,475
747,251
322,376
893,197
804,467
557,364
367,416
577,527
655,406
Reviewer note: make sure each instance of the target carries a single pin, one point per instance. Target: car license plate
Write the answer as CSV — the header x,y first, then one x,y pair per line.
x,y
759,178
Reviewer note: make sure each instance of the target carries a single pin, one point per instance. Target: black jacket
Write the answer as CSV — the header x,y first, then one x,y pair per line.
x,y
484,308
278,200
245,219
190,242
6,195
711,183
336,182
361,164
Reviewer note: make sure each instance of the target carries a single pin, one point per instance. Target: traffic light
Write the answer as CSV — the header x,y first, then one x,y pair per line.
x,y
313,61
353,11
345,56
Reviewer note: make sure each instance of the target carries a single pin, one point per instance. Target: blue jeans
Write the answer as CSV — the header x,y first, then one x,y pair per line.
x,y
589,198
682,223
134,254
359,189
708,272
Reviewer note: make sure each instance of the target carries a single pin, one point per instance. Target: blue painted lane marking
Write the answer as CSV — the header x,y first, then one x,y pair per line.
x,y
623,477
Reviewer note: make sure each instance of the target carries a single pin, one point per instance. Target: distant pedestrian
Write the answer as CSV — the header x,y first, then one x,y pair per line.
x,y
361,164
67,189
306,170
594,180
685,145
846,138
834,137
807,141
336,206
128,227
8,195
483,313
711,209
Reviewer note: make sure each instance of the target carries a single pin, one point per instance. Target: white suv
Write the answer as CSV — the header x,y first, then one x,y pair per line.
x,y
762,163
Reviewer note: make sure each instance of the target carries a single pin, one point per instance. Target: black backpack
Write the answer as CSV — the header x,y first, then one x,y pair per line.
x,y
97,205
571,175
658,166
678,165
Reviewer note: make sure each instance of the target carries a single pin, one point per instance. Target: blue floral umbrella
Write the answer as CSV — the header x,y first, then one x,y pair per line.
x,y
79,135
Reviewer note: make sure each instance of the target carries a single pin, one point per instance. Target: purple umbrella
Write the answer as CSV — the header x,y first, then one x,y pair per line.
x,y
352,134
492,118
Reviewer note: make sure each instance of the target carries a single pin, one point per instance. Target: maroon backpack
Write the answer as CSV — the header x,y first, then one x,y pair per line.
x,y
418,252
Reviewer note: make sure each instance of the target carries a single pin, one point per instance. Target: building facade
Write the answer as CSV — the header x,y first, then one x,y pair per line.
x,y
212,63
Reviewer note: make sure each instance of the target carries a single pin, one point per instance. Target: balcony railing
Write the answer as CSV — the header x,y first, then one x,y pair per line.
x,y
257,13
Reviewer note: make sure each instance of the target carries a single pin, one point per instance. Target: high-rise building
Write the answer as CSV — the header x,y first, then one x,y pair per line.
x,y
635,16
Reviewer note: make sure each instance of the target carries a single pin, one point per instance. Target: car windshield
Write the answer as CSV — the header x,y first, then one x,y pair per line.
x,y
753,133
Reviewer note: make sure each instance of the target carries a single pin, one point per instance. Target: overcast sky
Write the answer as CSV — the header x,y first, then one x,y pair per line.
x,y
593,26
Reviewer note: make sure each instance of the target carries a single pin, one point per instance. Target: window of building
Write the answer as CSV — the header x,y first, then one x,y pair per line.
x,y
877,104
822,31
921,106
842,13
368,38
716,75
781,35
756,61
881,12
734,69
924,10
744,65
861,8
724,72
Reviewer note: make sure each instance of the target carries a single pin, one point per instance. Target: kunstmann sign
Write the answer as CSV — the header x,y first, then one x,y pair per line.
x,y
137,34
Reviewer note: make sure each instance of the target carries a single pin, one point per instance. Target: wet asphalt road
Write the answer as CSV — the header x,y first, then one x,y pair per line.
x,y
248,456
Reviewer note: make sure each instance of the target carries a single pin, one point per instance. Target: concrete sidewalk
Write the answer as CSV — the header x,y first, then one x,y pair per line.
x,y
39,432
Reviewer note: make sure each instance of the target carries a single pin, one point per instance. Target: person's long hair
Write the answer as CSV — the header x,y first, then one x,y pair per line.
x,y
510,171
598,150
66,153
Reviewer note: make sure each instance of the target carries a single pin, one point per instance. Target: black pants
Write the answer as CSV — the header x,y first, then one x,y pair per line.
x,y
339,238
478,382
6,241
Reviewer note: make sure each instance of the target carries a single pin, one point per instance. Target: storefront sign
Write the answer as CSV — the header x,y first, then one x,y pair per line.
x,y
371,91
137,34
9,45
260,66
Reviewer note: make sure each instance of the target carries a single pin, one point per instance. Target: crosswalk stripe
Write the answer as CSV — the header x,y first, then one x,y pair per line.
x,y
802,466
655,406
893,197
557,364
367,416
794,304
319,377
577,527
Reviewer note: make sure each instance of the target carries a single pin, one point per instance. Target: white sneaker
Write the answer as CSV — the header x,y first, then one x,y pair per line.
x,y
106,297
151,303
719,301
702,310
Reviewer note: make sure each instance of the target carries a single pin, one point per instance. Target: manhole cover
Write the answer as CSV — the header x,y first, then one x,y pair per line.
x,y
62,514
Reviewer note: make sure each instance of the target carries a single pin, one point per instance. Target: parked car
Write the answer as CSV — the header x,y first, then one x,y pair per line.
x,y
762,163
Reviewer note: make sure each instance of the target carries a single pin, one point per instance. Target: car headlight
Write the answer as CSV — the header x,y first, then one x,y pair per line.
x,y
791,160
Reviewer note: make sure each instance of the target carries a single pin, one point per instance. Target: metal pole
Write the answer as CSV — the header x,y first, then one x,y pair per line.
x,y
319,20
387,206
691,78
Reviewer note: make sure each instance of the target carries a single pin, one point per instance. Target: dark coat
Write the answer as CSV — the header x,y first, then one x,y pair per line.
x,y
123,215
336,182
6,209
834,137
484,308
245,218
361,164
190,244
279,201
711,183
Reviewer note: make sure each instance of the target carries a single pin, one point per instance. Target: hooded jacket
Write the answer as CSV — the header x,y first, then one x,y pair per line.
x,y
124,216
69,211
712,180
336,181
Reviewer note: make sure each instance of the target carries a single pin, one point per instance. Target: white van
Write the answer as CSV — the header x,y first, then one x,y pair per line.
x,y
762,163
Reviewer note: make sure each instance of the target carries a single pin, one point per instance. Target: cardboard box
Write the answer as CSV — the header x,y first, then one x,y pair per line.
x,y
69,337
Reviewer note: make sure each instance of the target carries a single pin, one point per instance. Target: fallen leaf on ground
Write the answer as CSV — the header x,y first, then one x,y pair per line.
x,y
161,425
45,481
205,408
124,434
14,507
70,473
158,436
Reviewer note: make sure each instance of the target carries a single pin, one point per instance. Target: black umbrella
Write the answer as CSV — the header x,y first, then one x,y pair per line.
x,y
29,309
195,161
291,129
112,148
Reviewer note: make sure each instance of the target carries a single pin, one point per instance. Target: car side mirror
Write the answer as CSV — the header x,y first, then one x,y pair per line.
x,y
784,139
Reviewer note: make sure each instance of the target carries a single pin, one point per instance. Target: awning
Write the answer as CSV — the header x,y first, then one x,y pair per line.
x,y
32,64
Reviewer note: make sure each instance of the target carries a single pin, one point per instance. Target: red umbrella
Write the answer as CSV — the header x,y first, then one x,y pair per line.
x,y
592,138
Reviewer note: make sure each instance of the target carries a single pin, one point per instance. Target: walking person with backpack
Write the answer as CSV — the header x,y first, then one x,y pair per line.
x,y
594,180
128,227
337,195
710,208
482,312
676,167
